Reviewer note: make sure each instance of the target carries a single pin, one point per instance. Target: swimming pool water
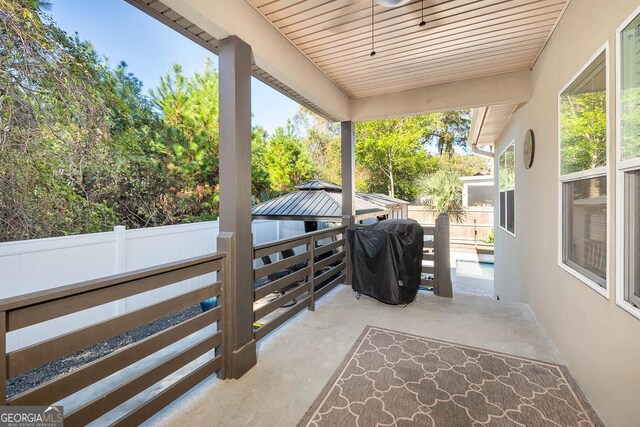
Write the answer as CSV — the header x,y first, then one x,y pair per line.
x,y
474,269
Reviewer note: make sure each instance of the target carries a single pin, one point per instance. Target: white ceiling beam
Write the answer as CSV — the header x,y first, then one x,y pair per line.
x,y
496,89
271,50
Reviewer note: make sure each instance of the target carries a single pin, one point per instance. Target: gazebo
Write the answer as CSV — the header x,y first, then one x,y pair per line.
x,y
321,201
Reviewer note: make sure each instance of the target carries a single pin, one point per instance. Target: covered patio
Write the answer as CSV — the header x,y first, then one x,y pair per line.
x,y
295,363
353,61
341,79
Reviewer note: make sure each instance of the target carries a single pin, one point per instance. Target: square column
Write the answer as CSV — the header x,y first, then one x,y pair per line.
x,y
348,152
235,204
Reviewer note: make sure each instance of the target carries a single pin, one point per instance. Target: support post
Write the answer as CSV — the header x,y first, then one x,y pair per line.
x,y
348,152
235,199
442,249
226,301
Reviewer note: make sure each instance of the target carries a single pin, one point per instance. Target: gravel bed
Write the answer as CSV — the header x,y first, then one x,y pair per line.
x,y
35,377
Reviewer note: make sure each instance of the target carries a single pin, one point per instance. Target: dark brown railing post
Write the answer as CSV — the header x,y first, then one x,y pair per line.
x,y
224,301
3,362
442,274
350,222
235,195
239,346
348,163
312,274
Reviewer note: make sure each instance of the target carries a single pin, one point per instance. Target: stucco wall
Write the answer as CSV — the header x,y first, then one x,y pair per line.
x,y
599,341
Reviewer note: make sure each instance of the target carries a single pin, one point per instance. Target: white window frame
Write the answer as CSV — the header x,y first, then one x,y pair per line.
x,y
601,171
622,167
500,190
468,186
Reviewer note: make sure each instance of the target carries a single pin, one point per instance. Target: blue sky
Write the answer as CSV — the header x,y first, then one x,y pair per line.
x,y
123,33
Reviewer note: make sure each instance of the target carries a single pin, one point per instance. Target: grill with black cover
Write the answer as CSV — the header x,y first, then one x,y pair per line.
x,y
386,259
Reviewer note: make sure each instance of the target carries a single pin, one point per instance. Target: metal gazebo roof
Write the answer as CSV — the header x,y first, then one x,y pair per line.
x,y
316,201
383,199
318,184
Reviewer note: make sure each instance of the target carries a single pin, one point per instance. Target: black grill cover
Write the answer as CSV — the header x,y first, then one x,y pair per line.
x,y
387,260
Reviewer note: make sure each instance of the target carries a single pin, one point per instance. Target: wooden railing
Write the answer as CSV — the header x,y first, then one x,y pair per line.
x,y
23,311
436,250
293,283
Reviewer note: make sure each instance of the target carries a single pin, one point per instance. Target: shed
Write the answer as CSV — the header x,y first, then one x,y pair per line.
x,y
398,208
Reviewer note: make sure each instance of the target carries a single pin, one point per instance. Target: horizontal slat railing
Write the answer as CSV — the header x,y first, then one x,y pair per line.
x,y
329,274
280,265
428,255
436,252
428,230
56,389
129,388
329,247
36,355
27,310
331,260
279,302
278,284
329,286
300,279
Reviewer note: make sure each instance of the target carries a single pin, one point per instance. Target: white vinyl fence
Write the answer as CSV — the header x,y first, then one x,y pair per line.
x,y
35,265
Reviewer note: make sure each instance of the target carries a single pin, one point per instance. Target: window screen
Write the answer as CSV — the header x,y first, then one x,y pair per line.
x,y
630,90
585,226
503,209
632,237
583,120
511,205
583,175
629,132
507,182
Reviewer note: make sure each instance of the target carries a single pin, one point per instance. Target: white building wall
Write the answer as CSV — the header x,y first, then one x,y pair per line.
x,y
599,341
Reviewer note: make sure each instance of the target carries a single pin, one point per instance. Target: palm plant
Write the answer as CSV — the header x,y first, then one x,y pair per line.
x,y
442,192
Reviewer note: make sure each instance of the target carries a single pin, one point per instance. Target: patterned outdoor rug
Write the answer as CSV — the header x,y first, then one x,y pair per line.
x,y
393,378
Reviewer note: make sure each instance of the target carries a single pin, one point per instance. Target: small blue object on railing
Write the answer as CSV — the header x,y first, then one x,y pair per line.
x,y
208,304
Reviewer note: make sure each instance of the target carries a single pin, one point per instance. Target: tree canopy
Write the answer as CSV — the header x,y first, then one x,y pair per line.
x,y
65,126
288,163
84,147
392,152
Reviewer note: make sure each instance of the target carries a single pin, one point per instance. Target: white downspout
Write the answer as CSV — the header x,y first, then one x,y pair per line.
x,y
474,137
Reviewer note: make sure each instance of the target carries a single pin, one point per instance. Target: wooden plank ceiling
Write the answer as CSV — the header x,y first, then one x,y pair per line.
x,y
462,39
488,123
163,13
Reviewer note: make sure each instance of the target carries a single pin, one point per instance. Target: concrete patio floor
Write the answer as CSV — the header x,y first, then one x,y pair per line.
x,y
297,360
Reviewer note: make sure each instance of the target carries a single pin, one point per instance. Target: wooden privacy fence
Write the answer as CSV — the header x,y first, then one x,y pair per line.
x,y
472,225
436,263
26,310
298,279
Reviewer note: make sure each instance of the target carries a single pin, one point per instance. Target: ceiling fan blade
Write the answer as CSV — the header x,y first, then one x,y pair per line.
x,y
392,3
